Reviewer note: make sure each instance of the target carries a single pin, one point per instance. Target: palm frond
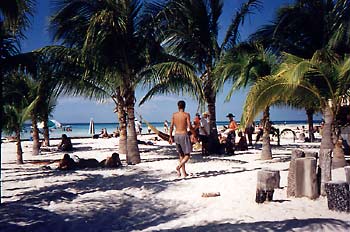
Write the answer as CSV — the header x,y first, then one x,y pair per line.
x,y
247,8
172,77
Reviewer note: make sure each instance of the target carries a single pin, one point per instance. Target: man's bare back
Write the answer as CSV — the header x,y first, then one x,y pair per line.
x,y
181,121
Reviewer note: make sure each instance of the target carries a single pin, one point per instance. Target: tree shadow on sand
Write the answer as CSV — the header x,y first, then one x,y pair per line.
x,y
122,211
314,224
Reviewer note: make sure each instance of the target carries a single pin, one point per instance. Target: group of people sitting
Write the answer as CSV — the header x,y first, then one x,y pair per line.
x,y
228,137
105,135
68,163
201,130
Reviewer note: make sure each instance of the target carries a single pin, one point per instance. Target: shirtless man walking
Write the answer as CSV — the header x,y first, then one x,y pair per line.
x,y
181,121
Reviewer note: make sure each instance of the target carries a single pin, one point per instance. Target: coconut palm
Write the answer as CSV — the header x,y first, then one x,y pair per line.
x,y
310,104
16,104
14,19
325,76
189,30
307,26
15,15
244,65
114,50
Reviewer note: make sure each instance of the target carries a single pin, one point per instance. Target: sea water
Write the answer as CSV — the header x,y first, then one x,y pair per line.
x,y
82,129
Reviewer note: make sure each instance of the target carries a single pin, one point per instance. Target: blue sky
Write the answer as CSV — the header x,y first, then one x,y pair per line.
x,y
78,109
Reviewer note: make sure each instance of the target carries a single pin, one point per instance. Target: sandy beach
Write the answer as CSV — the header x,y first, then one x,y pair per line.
x,y
150,197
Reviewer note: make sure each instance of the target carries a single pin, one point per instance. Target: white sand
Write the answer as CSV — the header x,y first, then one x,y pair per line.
x,y
150,197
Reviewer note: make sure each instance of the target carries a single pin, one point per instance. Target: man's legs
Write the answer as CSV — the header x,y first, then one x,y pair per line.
x,y
183,159
178,167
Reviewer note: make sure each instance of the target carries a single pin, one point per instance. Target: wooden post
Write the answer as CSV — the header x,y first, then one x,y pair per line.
x,y
338,160
296,153
347,174
267,181
338,195
276,175
306,178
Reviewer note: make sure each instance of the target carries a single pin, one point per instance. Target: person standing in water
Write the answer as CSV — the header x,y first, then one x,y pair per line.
x,y
182,123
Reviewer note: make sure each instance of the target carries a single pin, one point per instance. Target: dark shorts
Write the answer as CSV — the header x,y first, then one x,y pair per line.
x,y
204,138
183,144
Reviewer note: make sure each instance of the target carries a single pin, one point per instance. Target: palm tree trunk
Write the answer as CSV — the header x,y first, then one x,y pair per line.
x,y
46,131
310,121
210,97
19,147
122,129
118,99
36,142
266,153
133,153
214,145
326,148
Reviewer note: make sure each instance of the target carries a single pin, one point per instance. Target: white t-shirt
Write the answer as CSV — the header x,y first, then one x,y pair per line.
x,y
138,126
204,124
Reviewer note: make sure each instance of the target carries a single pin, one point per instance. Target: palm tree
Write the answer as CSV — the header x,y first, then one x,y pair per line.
x,y
189,30
307,26
16,103
244,65
51,103
15,18
304,100
325,76
16,15
114,50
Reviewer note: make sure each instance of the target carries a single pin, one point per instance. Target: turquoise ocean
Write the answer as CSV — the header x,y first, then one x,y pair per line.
x,y
82,129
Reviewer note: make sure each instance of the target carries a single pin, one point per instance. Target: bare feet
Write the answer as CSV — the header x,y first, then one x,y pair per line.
x,y
178,171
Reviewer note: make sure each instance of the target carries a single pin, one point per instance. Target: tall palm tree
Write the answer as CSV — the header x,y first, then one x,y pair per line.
x,y
326,76
14,19
189,30
307,26
303,100
114,49
244,65
16,103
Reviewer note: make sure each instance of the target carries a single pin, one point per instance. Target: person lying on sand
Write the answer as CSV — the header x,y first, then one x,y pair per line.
x,y
67,163
111,162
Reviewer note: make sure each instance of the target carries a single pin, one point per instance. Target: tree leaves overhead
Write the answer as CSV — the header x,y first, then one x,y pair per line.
x,y
173,76
307,26
15,15
232,33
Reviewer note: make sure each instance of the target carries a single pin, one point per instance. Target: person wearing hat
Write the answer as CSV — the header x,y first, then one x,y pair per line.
x,y
231,134
232,126
204,131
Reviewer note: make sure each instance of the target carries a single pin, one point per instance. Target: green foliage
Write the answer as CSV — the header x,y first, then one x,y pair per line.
x,y
323,78
307,26
16,101
16,15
